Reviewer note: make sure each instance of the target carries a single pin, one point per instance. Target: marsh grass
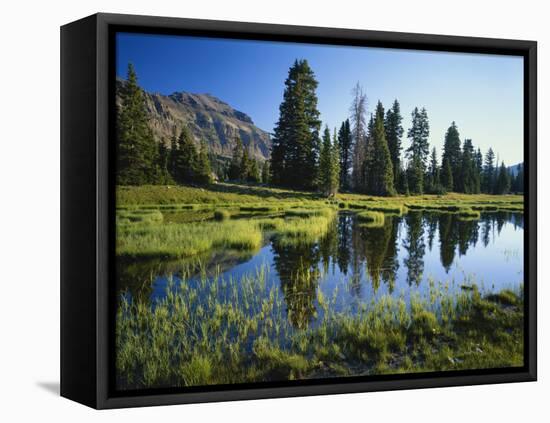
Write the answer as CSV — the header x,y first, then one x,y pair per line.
x,y
139,216
215,194
371,218
212,330
145,233
232,195
183,240
468,214
260,209
308,229
396,209
295,212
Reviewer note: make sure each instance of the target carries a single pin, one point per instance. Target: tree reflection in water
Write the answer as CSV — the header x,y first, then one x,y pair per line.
x,y
362,256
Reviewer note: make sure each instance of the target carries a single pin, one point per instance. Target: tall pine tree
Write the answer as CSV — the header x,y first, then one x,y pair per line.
x,y
358,110
202,169
136,149
452,154
185,158
488,177
173,154
394,133
234,172
502,183
467,181
447,175
418,150
335,159
379,167
295,151
325,164
266,173
433,183
163,164
345,142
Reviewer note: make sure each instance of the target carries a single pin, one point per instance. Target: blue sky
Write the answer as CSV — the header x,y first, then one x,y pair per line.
x,y
482,93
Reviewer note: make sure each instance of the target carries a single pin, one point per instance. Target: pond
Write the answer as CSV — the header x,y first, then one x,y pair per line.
x,y
354,264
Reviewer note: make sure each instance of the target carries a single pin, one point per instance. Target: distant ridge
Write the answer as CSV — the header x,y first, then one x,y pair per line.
x,y
207,117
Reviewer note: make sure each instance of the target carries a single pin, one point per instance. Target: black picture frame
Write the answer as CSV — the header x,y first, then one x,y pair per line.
x,y
87,198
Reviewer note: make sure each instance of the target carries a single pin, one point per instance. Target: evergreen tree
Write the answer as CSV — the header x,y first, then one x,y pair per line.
x,y
394,133
452,154
185,158
418,150
277,163
467,182
266,173
345,142
324,161
245,168
253,172
295,151
488,177
502,185
479,161
202,169
478,170
136,149
234,172
403,182
163,164
415,176
368,161
447,175
358,111
328,167
336,170
433,183
173,154
379,168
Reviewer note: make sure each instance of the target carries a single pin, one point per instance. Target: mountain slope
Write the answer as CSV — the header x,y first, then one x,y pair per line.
x,y
207,117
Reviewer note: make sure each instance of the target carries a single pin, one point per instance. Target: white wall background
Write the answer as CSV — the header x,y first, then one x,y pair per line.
x,y
29,231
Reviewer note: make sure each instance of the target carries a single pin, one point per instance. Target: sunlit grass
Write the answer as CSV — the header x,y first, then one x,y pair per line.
x,y
304,230
371,218
214,330
145,234
183,240
232,195
468,214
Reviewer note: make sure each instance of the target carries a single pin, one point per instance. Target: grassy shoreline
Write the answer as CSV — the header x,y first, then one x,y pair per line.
x,y
242,215
162,197
217,331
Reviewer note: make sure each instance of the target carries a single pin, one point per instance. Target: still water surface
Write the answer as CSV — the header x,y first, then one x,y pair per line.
x,y
354,264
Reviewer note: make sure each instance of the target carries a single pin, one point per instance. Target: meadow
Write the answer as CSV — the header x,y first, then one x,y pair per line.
x,y
155,220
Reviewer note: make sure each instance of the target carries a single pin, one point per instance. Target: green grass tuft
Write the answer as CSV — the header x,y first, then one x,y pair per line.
x,y
372,218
